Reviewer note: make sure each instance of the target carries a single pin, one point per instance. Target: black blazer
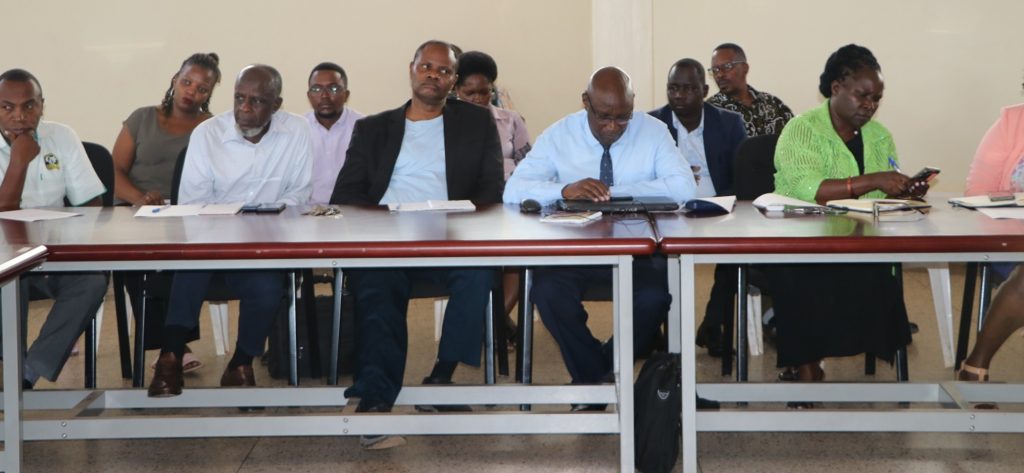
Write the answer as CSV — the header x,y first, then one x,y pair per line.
x,y
472,156
723,133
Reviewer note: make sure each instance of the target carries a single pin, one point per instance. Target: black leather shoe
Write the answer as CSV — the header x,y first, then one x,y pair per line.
x,y
167,379
711,337
588,407
707,404
240,377
372,405
441,407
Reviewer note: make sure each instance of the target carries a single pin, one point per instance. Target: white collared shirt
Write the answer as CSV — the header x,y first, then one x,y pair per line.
x,y
691,145
60,169
223,167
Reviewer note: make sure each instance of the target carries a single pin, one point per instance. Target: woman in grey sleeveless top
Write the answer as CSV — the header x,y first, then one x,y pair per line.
x,y
144,157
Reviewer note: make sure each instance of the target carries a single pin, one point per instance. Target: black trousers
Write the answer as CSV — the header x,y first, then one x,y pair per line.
x,y
558,294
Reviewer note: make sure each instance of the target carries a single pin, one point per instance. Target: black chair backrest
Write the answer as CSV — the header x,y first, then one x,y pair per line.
x,y
179,166
103,164
754,167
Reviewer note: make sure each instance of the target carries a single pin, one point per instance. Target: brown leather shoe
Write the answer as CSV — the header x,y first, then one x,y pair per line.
x,y
242,376
167,380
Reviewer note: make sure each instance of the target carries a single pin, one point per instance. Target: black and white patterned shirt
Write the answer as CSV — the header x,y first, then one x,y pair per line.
x,y
765,116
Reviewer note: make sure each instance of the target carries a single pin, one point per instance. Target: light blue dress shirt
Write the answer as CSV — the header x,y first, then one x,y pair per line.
x,y
645,162
419,173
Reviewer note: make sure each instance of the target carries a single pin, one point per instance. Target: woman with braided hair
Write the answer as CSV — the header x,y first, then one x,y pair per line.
x,y
837,151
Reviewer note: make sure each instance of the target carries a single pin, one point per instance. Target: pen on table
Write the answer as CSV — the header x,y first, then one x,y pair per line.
x,y
896,167
158,209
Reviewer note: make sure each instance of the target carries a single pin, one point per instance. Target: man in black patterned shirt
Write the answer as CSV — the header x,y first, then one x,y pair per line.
x,y
763,113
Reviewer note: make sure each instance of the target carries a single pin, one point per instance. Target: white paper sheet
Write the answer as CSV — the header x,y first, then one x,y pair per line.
x,y
464,205
33,215
1004,212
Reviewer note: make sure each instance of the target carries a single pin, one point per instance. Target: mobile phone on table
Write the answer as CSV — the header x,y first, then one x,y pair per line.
x,y
261,208
1000,196
926,174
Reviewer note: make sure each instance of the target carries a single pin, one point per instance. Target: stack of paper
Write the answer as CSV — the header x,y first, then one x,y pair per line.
x,y
159,211
577,218
983,201
32,215
463,205
773,202
884,205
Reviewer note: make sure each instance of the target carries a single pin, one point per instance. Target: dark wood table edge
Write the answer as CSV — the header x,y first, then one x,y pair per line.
x,y
315,250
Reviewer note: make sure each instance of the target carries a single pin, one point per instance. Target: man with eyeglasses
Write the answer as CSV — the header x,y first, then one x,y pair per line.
x,y
604,150
763,113
707,137
430,148
331,123
255,153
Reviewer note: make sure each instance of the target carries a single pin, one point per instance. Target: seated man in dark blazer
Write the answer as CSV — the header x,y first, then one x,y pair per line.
x,y
707,137
427,149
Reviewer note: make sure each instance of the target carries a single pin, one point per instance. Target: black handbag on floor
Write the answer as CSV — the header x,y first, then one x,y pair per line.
x,y
657,397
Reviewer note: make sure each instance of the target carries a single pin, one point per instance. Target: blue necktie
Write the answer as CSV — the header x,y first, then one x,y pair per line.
x,y
606,168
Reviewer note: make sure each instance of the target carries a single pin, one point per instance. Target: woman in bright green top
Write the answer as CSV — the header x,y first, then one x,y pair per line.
x,y
832,152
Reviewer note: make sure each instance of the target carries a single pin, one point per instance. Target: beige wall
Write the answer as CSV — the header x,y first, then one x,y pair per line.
x,y
100,60
949,65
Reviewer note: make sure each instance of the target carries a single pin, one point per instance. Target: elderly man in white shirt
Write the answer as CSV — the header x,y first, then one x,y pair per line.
x,y
253,154
41,164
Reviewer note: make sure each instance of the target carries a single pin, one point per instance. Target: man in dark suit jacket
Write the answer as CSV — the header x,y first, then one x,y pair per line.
x,y
709,140
428,149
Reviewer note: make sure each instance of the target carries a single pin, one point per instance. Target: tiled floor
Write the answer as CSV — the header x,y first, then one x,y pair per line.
x,y
719,452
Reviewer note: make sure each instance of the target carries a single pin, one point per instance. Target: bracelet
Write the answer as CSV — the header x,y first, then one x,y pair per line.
x,y
849,187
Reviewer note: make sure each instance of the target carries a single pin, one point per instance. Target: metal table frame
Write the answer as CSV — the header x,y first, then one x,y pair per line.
x,y
947,405
81,411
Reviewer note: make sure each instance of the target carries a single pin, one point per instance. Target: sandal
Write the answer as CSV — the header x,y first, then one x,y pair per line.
x,y
972,373
979,375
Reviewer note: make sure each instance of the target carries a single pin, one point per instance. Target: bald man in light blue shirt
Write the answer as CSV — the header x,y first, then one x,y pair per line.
x,y
604,150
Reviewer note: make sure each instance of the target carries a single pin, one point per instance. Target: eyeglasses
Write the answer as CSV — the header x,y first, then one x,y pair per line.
x,y
426,67
332,89
725,67
605,119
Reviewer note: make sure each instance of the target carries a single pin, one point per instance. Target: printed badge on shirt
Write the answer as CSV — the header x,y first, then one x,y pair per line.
x,y
51,162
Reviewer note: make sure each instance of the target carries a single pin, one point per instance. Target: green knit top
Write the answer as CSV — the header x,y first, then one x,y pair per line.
x,y
810,151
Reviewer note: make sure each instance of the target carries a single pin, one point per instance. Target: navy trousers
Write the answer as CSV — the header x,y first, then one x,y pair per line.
x,y
259,293
382,303
558,294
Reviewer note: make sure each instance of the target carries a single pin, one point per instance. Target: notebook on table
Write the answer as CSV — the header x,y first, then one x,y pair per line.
x,y
621,205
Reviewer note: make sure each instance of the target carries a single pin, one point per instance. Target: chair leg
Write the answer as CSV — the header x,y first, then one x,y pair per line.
x,y
219,320
121,311
755,323
332,375
489,377
524,349
902,369
986,294
938,278
293,353
440,305
90,353
501,334
312,327
869,364
139,373
966,311
741,326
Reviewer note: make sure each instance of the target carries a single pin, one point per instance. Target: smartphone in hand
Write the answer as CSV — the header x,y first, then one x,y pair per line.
x,y
926,174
